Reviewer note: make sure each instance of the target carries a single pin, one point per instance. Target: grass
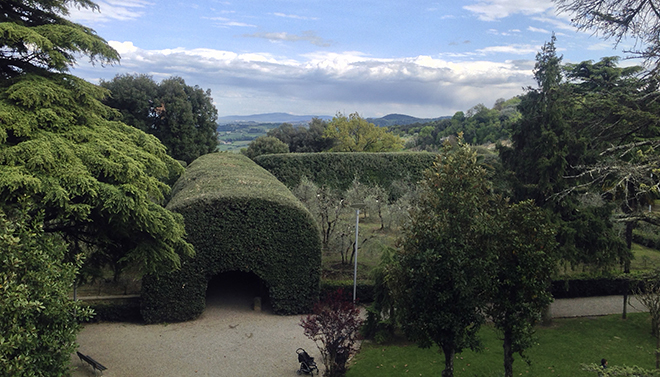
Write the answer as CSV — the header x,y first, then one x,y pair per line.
x,y
368,252
646,259
559,351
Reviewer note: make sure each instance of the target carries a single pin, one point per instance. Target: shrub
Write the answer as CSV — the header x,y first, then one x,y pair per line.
x,y
239,218
334,328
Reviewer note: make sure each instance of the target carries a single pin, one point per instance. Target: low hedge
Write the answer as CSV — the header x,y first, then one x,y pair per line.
x,y
364,289
338,170
562,288
648,239
590,287
116,311
238,217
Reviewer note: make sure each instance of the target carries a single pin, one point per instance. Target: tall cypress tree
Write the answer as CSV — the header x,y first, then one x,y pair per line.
x,y
545,151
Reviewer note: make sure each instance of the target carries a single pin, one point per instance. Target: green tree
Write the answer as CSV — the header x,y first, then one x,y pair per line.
x,y
95,181
39,321
355,134
265,145
303,139
523,247
182,117
133,96
35,37
440,280
545,150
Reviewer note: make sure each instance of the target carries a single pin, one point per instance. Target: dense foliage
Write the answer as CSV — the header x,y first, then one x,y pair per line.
x,y
39,322
181,116
96,181
339,170
304,139
479,125
440,280
35,37
334,326
354,134
548,146
468,255
523,250
239,218
265,145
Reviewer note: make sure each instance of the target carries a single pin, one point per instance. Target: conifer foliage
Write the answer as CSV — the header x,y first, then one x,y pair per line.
x,y
99,183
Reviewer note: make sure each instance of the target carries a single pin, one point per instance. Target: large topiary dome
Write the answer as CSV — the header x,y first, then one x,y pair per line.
x,y
239,217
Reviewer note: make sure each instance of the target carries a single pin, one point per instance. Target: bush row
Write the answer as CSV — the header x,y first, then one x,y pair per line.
x,y
573,288
565,288
116,311
338,170
239,218
648,239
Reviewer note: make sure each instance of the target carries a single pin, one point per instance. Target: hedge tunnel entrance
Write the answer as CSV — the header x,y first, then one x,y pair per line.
x,y
238,217
236,289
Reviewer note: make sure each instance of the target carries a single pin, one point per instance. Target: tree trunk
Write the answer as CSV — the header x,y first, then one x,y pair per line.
x,y
657,352
626,266
449,362
508,353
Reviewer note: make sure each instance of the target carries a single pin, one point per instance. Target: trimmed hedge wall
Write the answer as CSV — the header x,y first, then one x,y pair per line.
x,y
338,170
239,217
571,288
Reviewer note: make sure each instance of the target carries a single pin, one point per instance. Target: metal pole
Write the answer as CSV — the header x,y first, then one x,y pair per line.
x,y
357,222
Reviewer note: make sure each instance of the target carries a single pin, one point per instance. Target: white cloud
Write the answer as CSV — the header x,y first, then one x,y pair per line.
x,y
308,36
123,10
239,24
600,46
557,23
294,16
538,30
490,10
326,82
510,49
123,47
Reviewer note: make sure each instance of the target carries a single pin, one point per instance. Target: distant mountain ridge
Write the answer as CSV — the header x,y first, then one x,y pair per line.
x,y
387,120
270,118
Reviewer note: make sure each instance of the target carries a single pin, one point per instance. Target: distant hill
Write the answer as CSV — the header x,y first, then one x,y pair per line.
x,y
270,118
400,120
386,121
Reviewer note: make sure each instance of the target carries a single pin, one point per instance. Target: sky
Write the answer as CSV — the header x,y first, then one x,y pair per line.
x,y
319,57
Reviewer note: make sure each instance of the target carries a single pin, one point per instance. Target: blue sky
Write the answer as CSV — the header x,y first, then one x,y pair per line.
x,y
421,58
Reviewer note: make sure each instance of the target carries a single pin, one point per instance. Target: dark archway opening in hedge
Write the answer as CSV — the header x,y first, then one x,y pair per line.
x,y
236,289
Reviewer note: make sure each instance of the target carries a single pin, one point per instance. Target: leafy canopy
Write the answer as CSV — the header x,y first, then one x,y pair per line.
x,y
97,182
355,134
181,116
39,321
440,279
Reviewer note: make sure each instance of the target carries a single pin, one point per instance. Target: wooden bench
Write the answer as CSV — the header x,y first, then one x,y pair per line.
x,y
95,364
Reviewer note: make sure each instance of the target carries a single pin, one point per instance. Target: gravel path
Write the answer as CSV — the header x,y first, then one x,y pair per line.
x,y
593,306
230,339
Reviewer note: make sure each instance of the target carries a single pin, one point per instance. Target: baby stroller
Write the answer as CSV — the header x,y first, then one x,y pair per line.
x,y
307,364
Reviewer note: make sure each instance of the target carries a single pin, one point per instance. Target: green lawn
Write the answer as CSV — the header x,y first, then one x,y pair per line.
x,y
560,350
646,259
